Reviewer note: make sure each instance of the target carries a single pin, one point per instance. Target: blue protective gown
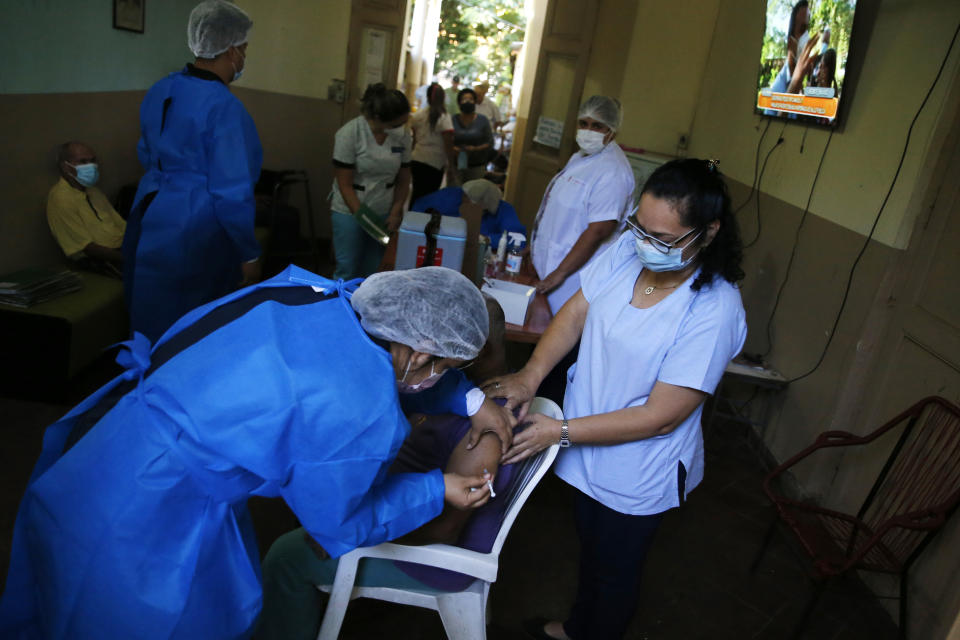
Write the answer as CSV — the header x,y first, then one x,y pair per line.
x,y
191,225
447,202
141,528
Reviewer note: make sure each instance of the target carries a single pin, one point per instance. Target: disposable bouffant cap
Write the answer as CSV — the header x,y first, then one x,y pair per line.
x,y
484,193
215,26
433,310
603,109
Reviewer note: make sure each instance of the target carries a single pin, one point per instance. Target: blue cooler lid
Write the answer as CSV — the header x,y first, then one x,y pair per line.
x,y
451,227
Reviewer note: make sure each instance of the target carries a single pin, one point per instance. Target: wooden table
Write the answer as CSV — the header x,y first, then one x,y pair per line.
x,y
539,315
766,382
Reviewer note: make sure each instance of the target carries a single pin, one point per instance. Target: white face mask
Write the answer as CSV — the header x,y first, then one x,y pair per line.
x,y
590,141
394,130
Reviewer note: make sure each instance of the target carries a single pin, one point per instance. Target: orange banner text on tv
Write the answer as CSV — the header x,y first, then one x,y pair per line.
x,y
799,104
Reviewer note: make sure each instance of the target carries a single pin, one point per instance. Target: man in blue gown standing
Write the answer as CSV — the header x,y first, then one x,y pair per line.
x,y
190,237
134,523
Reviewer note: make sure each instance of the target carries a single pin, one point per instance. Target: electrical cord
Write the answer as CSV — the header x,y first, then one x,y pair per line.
x,y
796,243
756,166
763,169
876,220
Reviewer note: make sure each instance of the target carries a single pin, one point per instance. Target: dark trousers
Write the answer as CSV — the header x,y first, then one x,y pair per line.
x,y
613,547
425,179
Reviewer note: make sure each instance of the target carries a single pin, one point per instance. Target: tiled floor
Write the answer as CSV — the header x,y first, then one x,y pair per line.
x,y
696,583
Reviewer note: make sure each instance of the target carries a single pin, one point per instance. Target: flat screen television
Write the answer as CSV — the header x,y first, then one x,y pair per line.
x,y
804,60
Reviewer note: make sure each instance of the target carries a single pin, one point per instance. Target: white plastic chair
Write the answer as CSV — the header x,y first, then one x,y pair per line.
x,y
464,613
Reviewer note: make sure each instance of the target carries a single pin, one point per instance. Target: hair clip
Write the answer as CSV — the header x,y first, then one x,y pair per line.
x,y
712,164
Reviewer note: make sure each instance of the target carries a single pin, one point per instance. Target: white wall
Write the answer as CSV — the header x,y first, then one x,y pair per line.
x,y
296,48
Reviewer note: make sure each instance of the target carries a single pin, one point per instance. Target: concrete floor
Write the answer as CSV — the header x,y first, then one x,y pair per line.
x,y
696,583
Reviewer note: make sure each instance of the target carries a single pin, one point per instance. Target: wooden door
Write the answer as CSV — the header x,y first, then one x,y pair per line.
x,y
557,92
921,356
375,48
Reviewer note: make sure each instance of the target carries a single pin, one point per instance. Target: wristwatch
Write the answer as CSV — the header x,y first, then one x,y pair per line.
x,y
564,434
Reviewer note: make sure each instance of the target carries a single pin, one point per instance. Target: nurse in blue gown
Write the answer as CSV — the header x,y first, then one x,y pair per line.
x,y
190,236
134,523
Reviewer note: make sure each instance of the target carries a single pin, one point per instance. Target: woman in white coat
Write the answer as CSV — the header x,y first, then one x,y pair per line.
x,y
659,318
584,204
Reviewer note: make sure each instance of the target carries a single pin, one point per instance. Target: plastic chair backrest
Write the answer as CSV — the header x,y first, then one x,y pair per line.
x,y
528,475
922,473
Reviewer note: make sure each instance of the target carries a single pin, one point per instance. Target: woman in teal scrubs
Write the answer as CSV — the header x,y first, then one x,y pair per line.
x,y
371,165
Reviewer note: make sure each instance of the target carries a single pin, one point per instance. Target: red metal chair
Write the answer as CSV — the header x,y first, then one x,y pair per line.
x,y
913,496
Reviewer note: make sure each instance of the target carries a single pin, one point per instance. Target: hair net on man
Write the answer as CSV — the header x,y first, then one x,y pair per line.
x,y
484,193
603,109
433,310
215,26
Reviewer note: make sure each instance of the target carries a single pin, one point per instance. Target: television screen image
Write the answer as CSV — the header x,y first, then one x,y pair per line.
x,y
803,61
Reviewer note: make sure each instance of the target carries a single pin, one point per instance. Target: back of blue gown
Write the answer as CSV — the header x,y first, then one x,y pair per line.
x,y
140,529
192,222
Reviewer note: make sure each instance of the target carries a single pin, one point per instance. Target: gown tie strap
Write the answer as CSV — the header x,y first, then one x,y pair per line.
x,y
134,356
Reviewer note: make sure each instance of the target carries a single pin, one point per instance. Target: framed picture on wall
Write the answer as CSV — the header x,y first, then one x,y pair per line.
x,y
128,14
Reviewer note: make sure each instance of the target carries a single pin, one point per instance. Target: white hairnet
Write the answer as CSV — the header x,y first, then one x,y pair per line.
x,y
484,193
215,26
604,109
434,310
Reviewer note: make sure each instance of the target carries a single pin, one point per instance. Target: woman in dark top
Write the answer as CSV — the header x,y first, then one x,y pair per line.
x,y
472,138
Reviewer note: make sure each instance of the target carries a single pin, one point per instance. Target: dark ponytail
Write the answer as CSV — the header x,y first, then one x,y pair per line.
x,y
436,97
385,105
696,189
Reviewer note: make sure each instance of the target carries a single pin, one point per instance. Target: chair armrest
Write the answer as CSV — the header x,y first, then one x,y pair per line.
x,y
825,440
837,439
442,556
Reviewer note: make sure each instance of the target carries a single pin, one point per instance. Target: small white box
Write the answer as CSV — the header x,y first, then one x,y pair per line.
x,y
515,298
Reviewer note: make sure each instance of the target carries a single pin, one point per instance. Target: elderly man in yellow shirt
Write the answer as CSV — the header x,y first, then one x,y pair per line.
x,y
81,218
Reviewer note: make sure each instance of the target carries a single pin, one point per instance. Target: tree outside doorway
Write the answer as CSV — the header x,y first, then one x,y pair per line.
x,y
479,40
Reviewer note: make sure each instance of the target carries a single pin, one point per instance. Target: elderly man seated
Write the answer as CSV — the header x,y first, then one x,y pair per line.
x,y
295,564
82,220
498,217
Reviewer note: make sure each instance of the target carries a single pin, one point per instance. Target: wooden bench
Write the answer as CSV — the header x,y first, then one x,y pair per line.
x,y
46,345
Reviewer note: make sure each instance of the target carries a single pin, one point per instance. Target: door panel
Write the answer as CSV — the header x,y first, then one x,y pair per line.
x,y
374,49
924,348
557,92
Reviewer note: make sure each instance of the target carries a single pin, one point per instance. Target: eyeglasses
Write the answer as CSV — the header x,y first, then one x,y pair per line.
x,y
467,365
660,245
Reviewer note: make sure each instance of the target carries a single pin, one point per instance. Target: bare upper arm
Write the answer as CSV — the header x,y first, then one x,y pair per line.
x,y
673,404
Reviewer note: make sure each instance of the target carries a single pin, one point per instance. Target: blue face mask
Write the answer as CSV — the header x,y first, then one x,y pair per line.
x,y
655,260
238,73
87,174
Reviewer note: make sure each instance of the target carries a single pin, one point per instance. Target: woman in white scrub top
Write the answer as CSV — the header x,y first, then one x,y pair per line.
x,y
584,204
659,317
371,166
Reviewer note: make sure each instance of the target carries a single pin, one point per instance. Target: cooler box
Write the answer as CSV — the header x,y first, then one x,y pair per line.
x,y
514,298
451,238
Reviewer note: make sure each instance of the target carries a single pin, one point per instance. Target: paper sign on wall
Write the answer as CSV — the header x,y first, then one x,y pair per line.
x,y
549,132
375,48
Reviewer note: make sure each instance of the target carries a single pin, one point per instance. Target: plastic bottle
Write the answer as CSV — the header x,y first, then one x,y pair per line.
x,y
490,262
514,258
502,249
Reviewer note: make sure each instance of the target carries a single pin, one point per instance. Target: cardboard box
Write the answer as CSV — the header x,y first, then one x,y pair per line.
x,y
515,298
